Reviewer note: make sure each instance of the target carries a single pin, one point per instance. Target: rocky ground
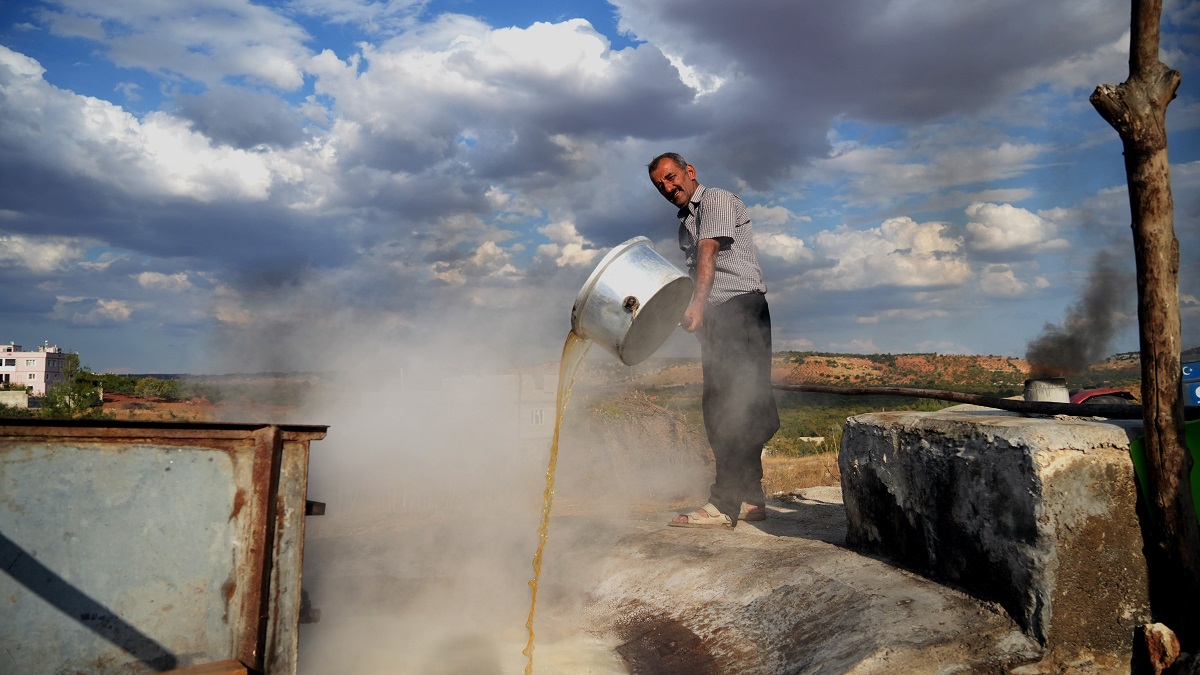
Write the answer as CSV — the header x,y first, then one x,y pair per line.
x,y
441,587
623,593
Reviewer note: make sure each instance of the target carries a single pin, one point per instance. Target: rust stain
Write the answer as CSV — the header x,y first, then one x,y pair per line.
x,y
256,576
227,592
239,501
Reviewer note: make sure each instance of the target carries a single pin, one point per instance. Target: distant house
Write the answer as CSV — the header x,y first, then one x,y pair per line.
x,y
37,371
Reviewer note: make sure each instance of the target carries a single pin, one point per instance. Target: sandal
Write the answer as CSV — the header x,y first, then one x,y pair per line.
x,y
702,517
752,512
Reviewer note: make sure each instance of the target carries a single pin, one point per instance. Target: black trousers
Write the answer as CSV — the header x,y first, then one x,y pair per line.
x,y
739,405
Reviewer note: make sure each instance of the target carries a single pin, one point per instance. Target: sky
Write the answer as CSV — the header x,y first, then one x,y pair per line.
x,y
220,186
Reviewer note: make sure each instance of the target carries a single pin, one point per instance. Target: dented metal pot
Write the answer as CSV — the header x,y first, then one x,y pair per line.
x,y
632,301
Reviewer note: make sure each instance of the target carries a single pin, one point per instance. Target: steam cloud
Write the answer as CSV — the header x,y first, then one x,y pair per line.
x,y
1084,336
434,492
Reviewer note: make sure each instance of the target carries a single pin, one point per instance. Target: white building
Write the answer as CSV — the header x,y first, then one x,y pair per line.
x,y
37,371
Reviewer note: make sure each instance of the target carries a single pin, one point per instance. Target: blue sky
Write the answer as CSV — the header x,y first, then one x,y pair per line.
x,y
224,186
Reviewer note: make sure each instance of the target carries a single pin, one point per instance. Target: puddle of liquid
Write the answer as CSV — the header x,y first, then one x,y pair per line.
x,y
579,653
573,351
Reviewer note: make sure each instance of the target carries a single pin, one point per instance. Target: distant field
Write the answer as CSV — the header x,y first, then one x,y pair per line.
x,y
675,385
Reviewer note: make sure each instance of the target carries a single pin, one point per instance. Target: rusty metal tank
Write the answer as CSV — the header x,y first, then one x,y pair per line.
x,y
137,547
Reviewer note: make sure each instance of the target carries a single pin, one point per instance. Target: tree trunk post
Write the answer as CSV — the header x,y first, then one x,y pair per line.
x,y
1137,109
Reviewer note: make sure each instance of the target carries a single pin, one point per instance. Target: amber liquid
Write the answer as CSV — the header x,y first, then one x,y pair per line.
x,y
573,351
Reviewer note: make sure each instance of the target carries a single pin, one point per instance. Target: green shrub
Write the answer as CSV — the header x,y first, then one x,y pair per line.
x,y
152,387
116,384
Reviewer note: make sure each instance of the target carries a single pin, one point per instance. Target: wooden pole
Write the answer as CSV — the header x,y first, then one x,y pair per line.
x,y
1137,109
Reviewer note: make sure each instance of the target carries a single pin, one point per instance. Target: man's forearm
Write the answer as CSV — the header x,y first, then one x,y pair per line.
x,y
706,269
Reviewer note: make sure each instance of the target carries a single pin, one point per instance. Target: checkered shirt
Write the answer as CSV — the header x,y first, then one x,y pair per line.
x,y
719,214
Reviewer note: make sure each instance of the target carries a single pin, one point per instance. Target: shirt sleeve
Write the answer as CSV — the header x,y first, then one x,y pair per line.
x,y
717,216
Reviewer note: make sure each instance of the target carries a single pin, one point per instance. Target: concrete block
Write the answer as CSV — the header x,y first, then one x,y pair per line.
x,y
1036,514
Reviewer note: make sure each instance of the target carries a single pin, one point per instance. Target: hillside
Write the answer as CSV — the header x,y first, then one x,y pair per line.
x,y
673,382
980,374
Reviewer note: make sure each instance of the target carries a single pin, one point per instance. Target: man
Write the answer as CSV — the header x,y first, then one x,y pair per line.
x,y
729,314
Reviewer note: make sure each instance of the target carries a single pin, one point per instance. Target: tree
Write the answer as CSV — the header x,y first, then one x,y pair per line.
x,y
76,396
1137,109
116,384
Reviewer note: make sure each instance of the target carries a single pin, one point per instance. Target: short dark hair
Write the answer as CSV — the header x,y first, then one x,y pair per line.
x,y
676,158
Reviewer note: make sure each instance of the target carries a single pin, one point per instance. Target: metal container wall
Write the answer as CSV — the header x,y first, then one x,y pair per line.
x,y
137,547
631,302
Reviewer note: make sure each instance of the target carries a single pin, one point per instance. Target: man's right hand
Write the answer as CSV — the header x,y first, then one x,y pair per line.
x,y
693,318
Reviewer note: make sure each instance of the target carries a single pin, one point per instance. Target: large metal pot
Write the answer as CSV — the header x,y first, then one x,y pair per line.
x,y
631,302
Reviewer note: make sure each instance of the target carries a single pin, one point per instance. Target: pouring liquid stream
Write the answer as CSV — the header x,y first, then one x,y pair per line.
x,y
573,351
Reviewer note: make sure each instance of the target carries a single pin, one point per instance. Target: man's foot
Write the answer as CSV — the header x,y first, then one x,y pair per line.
x,y
705,516
752,512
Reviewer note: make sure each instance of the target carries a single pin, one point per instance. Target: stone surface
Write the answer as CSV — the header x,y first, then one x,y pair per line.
x,y
1037,514
623,593
780,596
1156,648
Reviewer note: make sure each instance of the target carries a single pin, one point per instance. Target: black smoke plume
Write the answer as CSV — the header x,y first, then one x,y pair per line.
x,y
1084,336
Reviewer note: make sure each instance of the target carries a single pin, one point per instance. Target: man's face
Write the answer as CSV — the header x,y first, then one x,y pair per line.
x,y
676,184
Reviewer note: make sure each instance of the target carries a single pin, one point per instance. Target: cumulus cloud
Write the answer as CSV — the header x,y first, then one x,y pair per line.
x,y
773,227
1189,305
879,175
242,118
490,81
409,160
1001,280
942,347
771,217
157,280
784,246
1003,228
856,346
228,307
900,252
793,344
91,311
204,41
905,314
487,261
567,246
369,15
41,255
156,156
880,62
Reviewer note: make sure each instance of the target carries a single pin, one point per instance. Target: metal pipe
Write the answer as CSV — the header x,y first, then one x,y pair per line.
x,y
1131,411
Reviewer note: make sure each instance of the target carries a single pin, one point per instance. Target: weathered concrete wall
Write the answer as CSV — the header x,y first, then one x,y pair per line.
x,y
1037,514
15,399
